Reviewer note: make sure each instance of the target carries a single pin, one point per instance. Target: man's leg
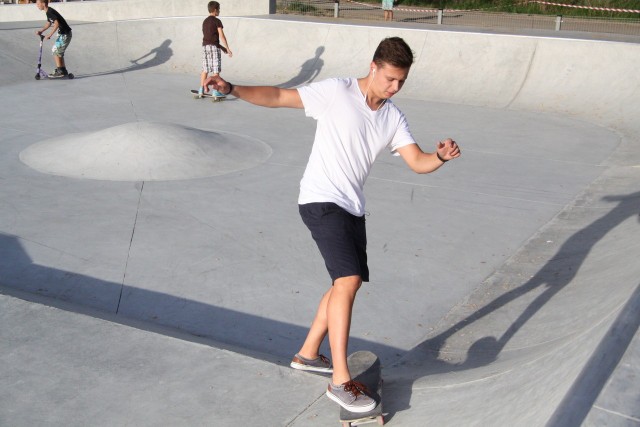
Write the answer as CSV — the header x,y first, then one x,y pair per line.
x,y
343,391
318,331
339,309
334,316
341,239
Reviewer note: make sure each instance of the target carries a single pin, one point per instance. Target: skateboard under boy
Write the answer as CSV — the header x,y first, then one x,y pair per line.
x,y
365,368
197,95
40,73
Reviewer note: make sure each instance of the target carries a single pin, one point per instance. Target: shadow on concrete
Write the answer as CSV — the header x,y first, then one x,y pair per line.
x,y
420,19
557,273
582,395
309,70
21,278
155,57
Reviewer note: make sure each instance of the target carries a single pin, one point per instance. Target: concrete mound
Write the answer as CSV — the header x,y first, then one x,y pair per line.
x,y
146,151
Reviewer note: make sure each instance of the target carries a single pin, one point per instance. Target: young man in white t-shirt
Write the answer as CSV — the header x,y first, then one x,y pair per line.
x,y
356,121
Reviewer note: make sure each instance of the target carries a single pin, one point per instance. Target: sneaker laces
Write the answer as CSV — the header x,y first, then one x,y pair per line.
x,y
356,388
325,360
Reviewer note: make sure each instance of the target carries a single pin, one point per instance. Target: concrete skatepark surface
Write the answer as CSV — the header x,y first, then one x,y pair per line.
x,y
154,270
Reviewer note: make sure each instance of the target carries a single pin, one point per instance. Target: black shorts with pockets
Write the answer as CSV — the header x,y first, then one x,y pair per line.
x,y
341,238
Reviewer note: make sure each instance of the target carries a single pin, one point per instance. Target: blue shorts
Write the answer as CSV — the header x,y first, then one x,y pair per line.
x,y
341,238
61,44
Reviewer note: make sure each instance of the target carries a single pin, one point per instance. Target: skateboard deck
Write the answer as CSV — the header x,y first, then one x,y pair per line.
x,y
196,95
365,368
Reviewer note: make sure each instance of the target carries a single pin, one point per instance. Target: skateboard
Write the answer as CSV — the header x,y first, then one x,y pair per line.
x,y
365,368
196,95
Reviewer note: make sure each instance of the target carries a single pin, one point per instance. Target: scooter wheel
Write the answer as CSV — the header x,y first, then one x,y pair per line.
x,y
38,76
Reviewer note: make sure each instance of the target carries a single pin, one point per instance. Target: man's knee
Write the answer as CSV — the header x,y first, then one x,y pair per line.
x,y
349,283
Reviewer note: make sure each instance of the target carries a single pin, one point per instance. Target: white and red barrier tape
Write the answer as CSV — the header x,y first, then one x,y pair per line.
x,y
606,9
403,9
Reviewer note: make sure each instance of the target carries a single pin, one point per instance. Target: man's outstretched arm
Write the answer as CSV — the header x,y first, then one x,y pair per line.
x,y
421,162
265,96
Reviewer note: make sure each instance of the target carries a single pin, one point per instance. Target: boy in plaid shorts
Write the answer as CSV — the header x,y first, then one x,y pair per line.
x,y
213,34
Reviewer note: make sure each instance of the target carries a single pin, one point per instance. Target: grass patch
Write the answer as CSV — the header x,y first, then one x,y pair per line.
x,y
299,7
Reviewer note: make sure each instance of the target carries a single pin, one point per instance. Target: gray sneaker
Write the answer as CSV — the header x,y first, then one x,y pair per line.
x,y
319,364
57,73
352,396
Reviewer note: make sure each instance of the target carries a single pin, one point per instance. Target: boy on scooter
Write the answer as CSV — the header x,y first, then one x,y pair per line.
x,y
64,36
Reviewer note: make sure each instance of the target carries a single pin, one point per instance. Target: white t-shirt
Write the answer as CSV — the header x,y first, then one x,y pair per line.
x,y
349,137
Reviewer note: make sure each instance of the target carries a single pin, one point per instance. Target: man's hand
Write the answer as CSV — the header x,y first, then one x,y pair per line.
x,y
448,149
218,84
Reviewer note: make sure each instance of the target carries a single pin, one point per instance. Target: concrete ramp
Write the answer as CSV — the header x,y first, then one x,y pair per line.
x,y
144,151
533,316
505,287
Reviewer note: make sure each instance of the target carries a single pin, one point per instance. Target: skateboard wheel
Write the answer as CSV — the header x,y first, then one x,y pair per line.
x,y
71,75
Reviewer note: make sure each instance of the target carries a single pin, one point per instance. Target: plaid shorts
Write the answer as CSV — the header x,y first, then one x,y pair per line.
x,y
61,44
211,62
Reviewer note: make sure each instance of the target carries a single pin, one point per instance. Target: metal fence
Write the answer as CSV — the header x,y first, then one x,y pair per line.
x,y
354,10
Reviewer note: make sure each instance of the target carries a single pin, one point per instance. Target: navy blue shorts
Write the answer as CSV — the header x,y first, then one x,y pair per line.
x,y
341,238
